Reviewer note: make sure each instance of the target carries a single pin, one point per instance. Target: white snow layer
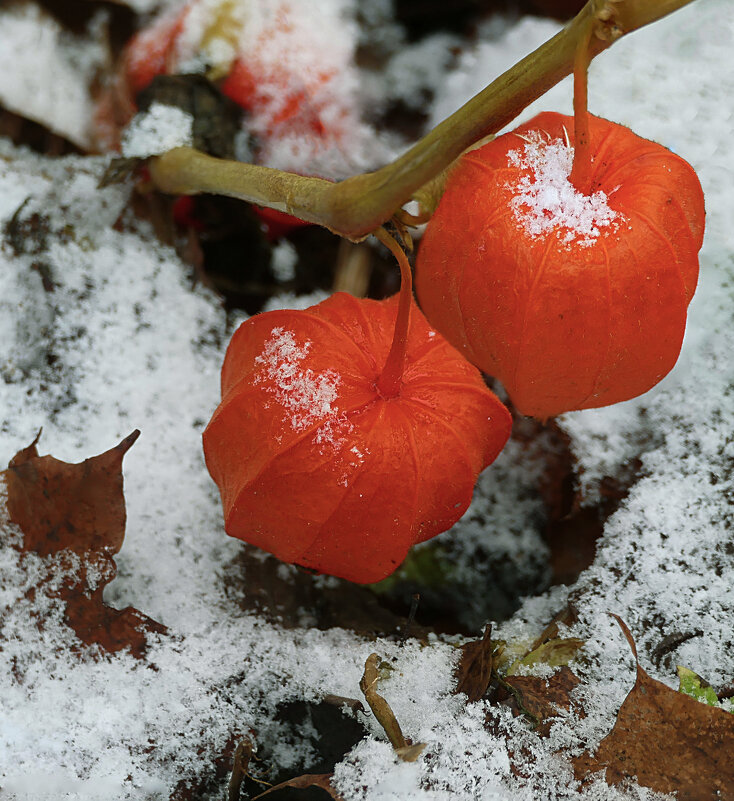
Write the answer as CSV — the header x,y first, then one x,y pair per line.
x,y
546,200
45,72
125,340
156,130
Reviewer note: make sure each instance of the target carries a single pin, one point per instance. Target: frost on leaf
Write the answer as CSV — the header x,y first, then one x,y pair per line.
x,y
77,513
540,699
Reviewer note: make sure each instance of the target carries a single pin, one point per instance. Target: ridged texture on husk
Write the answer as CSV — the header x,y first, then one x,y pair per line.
x,y
565,319
316,467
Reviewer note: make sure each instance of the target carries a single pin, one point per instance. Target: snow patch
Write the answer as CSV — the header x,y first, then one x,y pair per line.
x,y
284,260
34,46
158,129
306,396
545,200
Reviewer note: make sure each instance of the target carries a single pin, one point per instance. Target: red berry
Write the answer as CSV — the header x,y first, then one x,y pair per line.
x,y
277,223
573,300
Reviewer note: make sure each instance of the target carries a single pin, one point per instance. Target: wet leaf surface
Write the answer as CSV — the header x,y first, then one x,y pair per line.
x,y
671,742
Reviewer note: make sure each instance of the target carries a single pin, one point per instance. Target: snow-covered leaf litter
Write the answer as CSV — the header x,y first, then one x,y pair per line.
x,y
134,345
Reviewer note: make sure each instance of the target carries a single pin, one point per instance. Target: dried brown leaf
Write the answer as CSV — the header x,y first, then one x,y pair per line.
x,y
320,780
669,741
79,508
567,616
27,453
554,653
542,698
474,670
403,747
58,505
379,706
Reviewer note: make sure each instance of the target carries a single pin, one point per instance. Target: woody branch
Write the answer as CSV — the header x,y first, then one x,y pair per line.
x,y
357,206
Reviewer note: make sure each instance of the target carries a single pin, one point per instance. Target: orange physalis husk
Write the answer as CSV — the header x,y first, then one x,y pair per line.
x,y
318,466
573,299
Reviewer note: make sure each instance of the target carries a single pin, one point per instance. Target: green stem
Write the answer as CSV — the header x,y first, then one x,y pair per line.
x,y
391,377
357,206
581,171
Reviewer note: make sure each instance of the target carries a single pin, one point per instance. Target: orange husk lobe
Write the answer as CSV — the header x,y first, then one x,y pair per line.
x,y
567,314
316,466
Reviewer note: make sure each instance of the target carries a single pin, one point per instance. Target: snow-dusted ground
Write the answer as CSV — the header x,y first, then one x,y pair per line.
x,y
126,341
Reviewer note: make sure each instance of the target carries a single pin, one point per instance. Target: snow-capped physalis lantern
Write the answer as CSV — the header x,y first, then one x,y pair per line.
x,y
573,294
347,433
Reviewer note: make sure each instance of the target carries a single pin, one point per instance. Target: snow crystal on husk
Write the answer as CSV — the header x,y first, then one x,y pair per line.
x,y
545,200
307,397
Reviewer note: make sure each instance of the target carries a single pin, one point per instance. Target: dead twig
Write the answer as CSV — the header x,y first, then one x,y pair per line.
x,y
407,751
240,763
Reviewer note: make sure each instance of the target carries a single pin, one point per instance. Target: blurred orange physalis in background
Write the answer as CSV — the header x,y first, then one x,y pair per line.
x,y
271,59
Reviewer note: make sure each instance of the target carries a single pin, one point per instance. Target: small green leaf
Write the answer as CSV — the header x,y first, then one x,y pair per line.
x,y
427,566
692,684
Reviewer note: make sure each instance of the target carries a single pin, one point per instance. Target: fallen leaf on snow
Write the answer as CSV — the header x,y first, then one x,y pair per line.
x,y
403,747
671,742
474,671
79,509
59,505
554,653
